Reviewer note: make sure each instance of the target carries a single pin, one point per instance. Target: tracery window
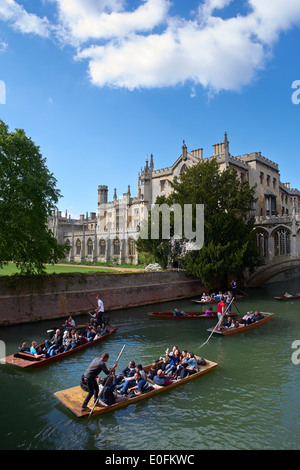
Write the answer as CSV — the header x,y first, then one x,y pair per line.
x,y
90,247
262,242
131,247
282,242
78,247
116,246
102,247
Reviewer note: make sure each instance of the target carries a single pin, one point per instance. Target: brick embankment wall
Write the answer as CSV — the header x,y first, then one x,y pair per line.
x,y
47,297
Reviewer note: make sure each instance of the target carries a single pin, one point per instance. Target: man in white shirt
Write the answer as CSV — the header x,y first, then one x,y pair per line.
x,y
99,310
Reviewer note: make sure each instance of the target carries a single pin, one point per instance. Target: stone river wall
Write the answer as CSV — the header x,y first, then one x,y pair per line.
x,y
46,297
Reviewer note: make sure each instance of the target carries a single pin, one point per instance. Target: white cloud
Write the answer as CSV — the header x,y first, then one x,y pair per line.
x,y
3,47
22,21
95,20
147,47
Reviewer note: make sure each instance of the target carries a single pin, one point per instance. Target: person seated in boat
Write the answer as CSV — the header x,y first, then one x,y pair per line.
x,y
74,342
107,395
183,360
37,350
257,316
102,330
91,332
54,344
190,366
69,323
66,340
174,360
125,376
24,347
140,385
219,296
160,379
203,297
77,340
246,320
129,371
153,370
234,323
208,312
179,314
140,370
227,323
287,294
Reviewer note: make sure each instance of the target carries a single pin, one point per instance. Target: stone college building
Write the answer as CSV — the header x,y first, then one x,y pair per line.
x,y
110,234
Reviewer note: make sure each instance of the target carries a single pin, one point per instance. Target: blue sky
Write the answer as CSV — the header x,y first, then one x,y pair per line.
x,y
101,84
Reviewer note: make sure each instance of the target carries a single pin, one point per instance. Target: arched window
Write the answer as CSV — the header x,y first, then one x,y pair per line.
x,y
116,246
102,245
90,247
78,247
262,242
282,242
183,169
131,247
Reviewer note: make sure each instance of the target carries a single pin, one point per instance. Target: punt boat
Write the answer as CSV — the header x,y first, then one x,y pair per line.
x,y
243,328
214,301
28,361
72,398
288,297
187,315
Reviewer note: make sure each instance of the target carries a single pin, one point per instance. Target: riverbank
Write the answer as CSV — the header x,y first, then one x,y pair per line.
x,y
30,299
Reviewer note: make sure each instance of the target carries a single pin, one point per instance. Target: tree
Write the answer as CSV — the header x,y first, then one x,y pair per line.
x,y
229,233
28,195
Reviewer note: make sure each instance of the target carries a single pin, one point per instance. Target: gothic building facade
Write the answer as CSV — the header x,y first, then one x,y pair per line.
x,y
110,234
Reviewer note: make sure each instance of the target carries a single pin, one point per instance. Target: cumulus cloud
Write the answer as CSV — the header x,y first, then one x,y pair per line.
x,y
146,46
15,14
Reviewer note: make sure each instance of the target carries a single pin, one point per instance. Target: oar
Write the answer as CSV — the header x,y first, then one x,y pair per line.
x,y
98,398
217,324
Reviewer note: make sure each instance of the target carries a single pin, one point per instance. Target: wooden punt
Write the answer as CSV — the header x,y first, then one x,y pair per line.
x,y
187,316
243,328
214,301
28,361
72,398
287,297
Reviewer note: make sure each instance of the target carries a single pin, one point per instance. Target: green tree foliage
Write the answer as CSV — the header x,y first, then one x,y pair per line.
x,y
229,234
28,195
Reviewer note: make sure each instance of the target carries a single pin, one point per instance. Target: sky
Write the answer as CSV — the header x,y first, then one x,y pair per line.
x,y
100,85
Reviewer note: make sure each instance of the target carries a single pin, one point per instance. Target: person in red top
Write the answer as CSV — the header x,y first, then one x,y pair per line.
x,y
221,311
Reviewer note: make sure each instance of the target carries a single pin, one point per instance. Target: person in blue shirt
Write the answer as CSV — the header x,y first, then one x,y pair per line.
x,y
141,385
174,362
34,350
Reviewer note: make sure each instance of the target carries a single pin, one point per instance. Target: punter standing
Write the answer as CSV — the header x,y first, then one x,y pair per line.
x,y
91,374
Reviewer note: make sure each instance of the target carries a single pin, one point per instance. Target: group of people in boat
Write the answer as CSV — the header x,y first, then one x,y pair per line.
x,y
250,317
133,380
226,296
70,337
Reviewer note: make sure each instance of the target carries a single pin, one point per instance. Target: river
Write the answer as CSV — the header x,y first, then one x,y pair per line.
x,y
250,401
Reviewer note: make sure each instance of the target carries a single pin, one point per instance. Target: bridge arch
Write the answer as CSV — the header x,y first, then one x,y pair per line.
x,y
269,270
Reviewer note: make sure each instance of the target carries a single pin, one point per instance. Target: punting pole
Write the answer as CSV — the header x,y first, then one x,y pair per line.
x,y
217,324
121,352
